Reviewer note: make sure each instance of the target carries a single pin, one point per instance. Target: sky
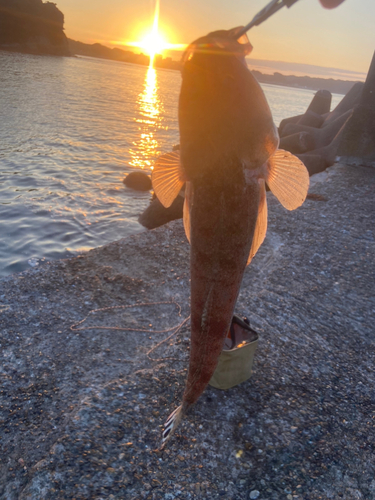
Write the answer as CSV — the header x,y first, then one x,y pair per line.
x,y
306,33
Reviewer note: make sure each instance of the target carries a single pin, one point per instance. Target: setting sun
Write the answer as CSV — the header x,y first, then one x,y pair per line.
x,y
153,44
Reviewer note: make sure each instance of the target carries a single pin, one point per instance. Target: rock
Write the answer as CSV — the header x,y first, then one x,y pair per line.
x,y
34,27
138,181
254,494
321,102
156,214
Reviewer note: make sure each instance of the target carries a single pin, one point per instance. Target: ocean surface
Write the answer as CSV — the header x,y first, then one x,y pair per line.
x,y
71,129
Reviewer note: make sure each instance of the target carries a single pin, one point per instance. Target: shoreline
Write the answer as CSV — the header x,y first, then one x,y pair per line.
x,y
290,81
81,411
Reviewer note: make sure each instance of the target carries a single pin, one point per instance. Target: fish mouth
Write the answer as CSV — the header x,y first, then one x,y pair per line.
x,y
221,42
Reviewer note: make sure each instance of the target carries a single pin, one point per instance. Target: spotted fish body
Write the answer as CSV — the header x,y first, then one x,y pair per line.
x,y
228,149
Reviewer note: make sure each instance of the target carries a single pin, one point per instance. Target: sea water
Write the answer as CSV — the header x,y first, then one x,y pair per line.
x,y
71,129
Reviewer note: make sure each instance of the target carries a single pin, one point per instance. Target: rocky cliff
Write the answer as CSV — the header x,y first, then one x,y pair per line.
x,y
32,26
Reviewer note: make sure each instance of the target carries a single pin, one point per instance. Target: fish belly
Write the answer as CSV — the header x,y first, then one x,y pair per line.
x,y
223,219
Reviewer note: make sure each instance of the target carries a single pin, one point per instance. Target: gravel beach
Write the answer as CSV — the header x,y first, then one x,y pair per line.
x,y
82,409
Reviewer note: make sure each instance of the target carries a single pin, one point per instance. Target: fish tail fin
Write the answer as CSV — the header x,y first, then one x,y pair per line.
x,y
171,424
288,179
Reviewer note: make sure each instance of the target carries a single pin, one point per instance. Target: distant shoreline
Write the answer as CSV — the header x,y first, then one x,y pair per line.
x,y
303,82
99,51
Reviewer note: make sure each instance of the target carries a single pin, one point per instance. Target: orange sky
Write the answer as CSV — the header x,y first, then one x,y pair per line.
x,y
305,33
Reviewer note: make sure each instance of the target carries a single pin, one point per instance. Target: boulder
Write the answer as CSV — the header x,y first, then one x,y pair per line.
x,y
139,181
156,214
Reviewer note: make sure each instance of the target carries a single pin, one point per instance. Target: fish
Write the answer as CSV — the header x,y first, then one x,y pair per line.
x,y
228,152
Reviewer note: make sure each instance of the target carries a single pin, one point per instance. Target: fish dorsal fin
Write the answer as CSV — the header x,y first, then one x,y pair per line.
x,y
168,177
288,179
261,223
187,206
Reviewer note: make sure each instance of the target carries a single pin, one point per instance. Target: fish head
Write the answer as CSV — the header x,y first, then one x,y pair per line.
x,y
215,44
223,113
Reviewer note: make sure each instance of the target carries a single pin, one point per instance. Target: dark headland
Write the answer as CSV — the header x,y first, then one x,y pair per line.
x,y
33,27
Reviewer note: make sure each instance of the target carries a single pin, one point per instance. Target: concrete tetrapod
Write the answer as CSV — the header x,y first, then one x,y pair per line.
x,y
298,143
350,100
327,153
311,119
319,106
313,162
321,102
286,121
320,136
357,146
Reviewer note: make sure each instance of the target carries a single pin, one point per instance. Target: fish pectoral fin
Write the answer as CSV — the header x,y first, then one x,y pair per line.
x,y
261,223
288,179
168,177
187,206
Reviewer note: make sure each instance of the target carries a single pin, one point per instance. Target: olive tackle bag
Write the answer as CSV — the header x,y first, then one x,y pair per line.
x,y
236,359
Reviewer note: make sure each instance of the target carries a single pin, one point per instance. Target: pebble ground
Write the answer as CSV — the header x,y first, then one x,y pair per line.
x,y
81,412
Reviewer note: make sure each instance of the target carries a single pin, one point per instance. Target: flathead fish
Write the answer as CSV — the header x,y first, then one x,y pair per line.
x,y
228,151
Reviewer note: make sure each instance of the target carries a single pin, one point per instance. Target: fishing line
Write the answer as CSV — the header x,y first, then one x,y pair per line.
x,y
111,308
174,329
165,340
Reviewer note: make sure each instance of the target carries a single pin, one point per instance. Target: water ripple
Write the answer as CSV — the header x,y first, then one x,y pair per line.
x,y
70,129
